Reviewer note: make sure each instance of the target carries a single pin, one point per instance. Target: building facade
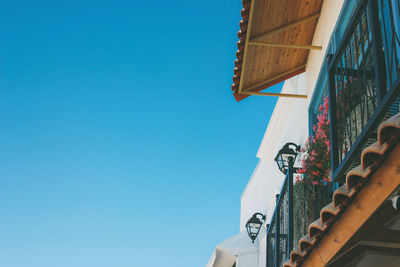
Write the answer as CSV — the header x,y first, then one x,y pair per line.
x,y
341,58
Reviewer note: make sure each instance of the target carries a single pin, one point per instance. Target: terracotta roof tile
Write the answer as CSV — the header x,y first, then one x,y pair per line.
x,y
389,129
371,157
242,34
295,255
289,264
373,154
306,242
356,177
329,212
245,12
342,196
316,228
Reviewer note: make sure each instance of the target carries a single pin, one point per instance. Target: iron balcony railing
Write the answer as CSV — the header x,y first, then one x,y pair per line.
x,y
280,230
298,205
363,90
363,81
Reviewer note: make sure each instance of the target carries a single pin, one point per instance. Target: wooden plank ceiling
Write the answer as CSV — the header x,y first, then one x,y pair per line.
x,y
274,42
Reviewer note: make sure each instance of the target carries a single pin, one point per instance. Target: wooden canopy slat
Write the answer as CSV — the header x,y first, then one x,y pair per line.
x,y
300,46
280,75
274,94
283,28
275,37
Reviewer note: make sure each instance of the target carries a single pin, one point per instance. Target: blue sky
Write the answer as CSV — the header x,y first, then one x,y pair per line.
x,y
120,141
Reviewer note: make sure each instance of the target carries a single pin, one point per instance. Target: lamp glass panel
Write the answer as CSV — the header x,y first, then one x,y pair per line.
x,y
280,162
255,225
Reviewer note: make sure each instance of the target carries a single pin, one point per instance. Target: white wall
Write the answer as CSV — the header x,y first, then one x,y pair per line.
x,y
247,260
288,123
262,247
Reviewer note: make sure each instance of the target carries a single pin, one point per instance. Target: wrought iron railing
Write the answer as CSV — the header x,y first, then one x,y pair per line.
x,y
389,14
280,230
363,90
271,245
363,81
297,205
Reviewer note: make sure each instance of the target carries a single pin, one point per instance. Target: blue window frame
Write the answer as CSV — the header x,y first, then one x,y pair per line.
x,y
389,16
320,90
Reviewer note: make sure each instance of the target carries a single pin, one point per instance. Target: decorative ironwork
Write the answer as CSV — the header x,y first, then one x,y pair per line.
x,y
271,244
363,81
389,11
284,227
353,79
364,90
280,230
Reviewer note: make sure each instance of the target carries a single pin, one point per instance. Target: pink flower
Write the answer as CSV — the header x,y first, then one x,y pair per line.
x,y
298,179
316,173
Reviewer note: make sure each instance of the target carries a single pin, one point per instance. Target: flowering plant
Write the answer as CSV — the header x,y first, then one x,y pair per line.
x,y
316,161
313,185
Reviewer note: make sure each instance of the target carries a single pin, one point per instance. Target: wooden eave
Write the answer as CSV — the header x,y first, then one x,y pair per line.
x,y
275,39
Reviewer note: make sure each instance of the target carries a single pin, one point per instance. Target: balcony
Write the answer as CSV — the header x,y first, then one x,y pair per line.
x,y
363,91
298,205
280,230
363,81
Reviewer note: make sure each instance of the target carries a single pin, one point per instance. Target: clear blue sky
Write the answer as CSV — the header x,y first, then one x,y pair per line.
x,y
120,141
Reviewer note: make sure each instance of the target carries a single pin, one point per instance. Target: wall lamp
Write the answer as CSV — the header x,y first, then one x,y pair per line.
x,y
254,224
286,155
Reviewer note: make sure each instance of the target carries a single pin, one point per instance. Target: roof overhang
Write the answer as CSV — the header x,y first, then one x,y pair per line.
x,y
356,218
368,209
275,39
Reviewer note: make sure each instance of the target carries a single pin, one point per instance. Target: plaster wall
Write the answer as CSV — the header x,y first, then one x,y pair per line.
x,y
288,123
247,260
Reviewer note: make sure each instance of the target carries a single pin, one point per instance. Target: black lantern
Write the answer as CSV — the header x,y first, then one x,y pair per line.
x,y
254,224
287,153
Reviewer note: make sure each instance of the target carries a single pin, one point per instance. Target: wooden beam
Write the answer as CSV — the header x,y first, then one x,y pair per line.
x,y
258,85
380,244
274,94
361,249
283,28
246,44
296,46
372,230
385,235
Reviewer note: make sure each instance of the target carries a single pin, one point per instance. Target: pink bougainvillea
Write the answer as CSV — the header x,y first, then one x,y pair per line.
x,y
316,161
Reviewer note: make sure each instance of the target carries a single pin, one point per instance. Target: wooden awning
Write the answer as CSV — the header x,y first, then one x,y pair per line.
x,y
275,38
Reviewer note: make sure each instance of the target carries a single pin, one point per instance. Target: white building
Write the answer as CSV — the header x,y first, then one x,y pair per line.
x,y
326,22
